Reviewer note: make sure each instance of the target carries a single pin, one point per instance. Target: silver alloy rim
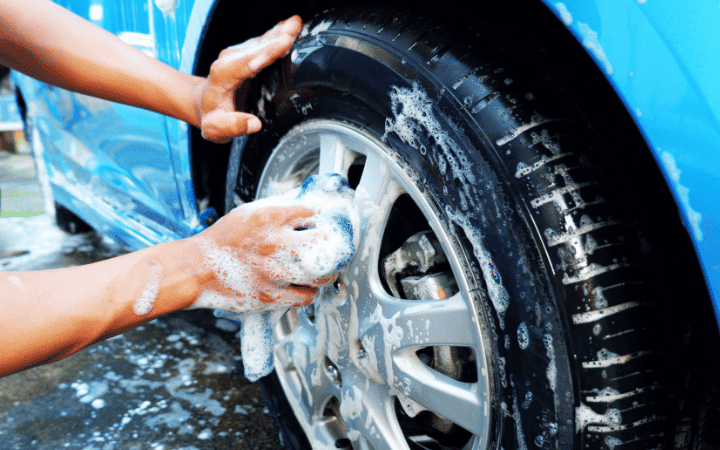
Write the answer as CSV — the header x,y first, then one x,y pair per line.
x,y
344,360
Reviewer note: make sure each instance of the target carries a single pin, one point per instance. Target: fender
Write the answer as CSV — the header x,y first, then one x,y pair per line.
x,y
663,61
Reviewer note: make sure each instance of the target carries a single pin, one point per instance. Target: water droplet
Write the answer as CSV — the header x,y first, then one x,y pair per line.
x,y
528,400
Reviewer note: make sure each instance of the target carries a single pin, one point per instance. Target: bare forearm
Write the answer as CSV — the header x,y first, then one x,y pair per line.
x,y
49,315
52,44
246,262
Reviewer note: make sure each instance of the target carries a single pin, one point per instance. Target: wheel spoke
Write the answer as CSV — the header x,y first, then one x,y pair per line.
x,y
377,185
370,418
423,323
460,403
322,390
375,196
334,156
303,351
303,333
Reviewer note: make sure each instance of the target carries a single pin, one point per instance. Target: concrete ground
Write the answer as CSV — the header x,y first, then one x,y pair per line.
x,y
175,383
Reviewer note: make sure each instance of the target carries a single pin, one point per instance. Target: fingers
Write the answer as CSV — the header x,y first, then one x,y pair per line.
x,y
245,60
324,281
290,26
275,212
236,64
221,126
289,296
216,99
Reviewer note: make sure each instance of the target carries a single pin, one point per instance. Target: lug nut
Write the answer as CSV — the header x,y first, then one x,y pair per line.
x,y
334,374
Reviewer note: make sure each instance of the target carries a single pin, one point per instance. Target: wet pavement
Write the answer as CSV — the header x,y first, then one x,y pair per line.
x,y
175,383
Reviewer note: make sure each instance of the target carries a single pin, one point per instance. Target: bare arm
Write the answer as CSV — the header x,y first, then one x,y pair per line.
x,y
50,43
235,265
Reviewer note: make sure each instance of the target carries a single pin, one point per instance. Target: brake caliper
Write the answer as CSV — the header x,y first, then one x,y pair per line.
x,y
418,271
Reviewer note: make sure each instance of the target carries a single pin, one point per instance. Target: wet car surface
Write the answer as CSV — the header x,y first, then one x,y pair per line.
x,y
174,383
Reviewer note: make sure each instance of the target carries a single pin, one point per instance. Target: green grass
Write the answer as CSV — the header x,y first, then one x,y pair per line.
x,y
21,200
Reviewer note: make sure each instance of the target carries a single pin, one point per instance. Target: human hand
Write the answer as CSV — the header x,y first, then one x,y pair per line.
x,y
215,97
254,257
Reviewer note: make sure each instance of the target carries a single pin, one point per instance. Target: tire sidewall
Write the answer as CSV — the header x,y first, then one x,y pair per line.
x,y
335,81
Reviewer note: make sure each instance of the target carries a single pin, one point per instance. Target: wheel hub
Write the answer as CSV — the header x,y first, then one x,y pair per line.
x,y
409,337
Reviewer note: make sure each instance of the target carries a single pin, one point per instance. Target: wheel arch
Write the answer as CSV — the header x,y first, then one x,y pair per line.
x,y
548,40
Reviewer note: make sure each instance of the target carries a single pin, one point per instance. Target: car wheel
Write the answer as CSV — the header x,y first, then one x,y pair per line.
x,y
499,296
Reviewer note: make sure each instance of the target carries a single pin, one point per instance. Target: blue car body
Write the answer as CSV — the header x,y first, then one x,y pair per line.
x,y
128,172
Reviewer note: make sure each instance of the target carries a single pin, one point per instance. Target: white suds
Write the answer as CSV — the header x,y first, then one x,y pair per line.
x,y
523,336
522,445
167,7
493,280
256,342
205,434
551,371
591,42
565,15
327,245
322,26
14,279
145,302
414,116
585,416
91,392
682,192
612,442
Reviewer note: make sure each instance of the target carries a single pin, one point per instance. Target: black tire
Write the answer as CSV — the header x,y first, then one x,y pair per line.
x,y
577,355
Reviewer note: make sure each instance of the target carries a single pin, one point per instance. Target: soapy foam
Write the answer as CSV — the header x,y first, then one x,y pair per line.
x,y
493,280
230,271
145,302
300,261
329,196
565,15
414,116
167,7
585,416
256,342
14,279
523,336
682,191
612,442
316,29
551,371
591,41
522,445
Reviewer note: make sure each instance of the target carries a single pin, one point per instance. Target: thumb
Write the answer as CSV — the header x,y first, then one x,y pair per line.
x,y
221,126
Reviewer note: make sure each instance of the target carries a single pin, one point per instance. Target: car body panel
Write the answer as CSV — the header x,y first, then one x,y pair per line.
x,y
661,59
112,164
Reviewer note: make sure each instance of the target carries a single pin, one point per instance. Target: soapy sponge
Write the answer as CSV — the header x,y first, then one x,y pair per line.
x,y
329,196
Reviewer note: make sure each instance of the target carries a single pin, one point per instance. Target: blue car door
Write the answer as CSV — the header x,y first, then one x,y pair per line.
x,y
119,154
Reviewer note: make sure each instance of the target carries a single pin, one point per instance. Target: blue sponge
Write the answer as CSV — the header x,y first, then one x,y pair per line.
x,y
329,195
